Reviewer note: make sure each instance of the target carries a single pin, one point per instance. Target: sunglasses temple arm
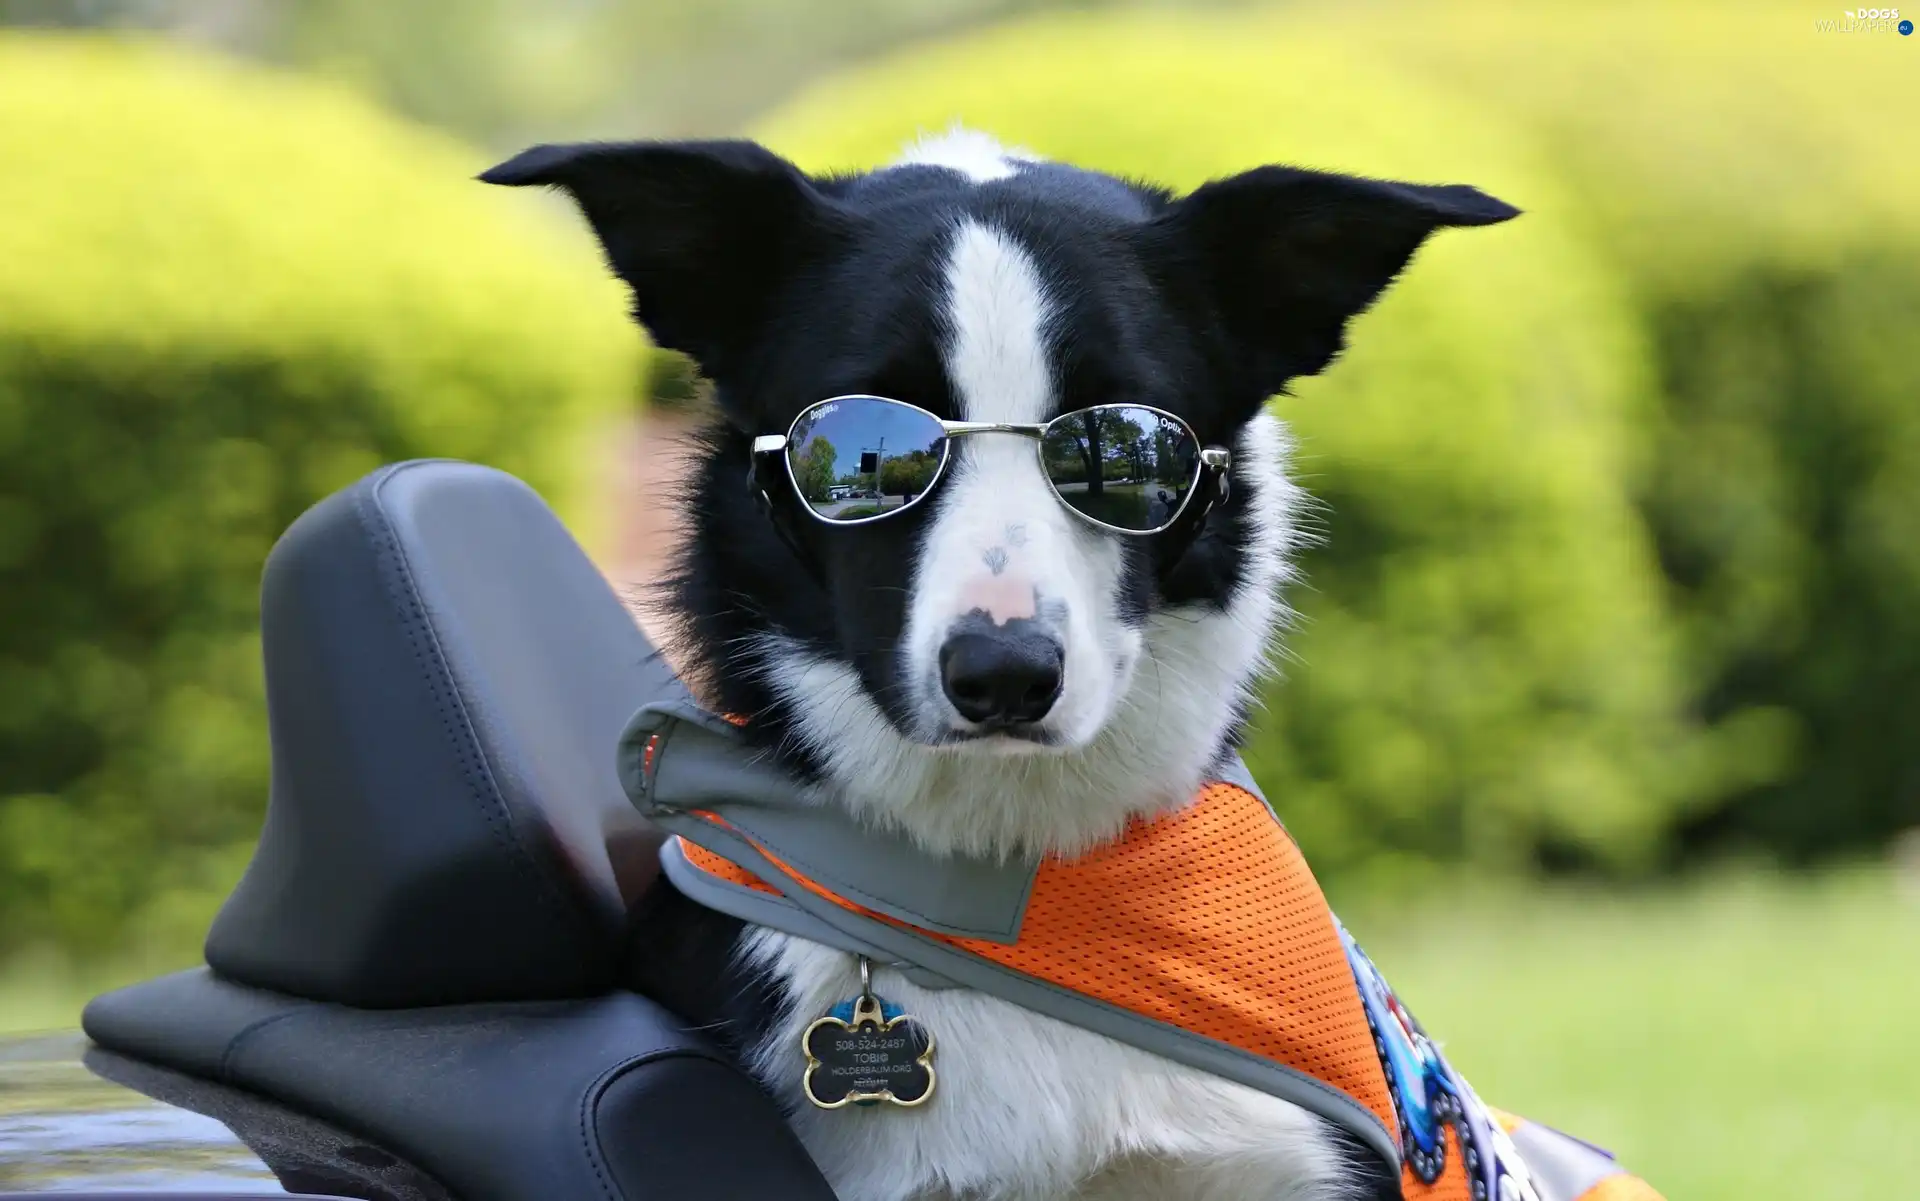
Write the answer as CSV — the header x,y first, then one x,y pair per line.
x,y
1212,490
766,480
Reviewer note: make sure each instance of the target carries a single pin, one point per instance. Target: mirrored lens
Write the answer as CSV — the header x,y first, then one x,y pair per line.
x,y
859,457
1126,466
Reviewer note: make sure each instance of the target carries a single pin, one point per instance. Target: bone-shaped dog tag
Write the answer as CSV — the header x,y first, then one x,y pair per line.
x,y
866,1052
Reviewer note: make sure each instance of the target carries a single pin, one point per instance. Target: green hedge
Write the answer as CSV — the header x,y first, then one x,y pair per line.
x,y
1757,183
224,294
1483,670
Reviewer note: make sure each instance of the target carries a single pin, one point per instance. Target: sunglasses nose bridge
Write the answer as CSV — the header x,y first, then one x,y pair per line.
x,y
963,429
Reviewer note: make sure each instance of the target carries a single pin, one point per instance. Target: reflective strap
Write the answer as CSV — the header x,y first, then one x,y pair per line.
x,y
776,912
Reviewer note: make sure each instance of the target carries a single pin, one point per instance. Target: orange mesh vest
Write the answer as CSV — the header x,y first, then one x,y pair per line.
x,y
1200,935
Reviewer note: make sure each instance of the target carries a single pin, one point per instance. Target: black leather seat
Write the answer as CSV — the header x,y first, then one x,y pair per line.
x,y
423,951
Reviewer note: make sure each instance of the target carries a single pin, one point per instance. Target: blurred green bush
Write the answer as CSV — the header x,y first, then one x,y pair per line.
x,y
1483,669
1756,181
224,294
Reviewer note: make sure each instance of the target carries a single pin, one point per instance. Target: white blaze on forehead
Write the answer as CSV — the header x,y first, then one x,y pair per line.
x,y
997,315
1000,542
973,154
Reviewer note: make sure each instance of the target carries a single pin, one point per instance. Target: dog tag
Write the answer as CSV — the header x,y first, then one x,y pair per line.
x,y
866,1052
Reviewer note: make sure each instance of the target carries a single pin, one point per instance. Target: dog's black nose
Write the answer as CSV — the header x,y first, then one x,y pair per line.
x,y
1003,677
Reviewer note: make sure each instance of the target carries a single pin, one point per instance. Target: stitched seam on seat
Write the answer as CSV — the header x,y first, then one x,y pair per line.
x,y
590,1106
455,722
247,1032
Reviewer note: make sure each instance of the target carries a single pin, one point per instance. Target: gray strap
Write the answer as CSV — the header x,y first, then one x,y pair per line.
x,y
776,912
699,762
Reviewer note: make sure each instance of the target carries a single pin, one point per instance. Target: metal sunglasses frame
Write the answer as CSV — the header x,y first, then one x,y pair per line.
x,y
1215,458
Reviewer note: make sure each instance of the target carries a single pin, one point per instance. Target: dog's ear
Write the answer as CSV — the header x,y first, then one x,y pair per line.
x,y
1278,259
703,232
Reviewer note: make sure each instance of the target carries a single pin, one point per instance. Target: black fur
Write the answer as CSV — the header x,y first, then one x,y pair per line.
x,y
682,955
1373,1179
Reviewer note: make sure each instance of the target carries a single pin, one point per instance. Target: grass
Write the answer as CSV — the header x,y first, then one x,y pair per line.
x,y
1745,1039
1739,1039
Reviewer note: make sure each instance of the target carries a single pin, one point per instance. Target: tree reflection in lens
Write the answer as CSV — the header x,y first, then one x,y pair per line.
x,y
1128,467
861,457
813,471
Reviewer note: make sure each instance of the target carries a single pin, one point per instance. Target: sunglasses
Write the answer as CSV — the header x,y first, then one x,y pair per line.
x,y
1128,469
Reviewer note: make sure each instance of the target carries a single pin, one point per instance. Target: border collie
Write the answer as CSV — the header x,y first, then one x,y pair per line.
x,y
1106,671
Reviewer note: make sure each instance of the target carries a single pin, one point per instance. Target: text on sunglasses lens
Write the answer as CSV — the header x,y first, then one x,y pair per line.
x,y
858,457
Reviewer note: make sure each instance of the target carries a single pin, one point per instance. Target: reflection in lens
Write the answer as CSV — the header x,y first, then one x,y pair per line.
x,y
862,456
1126,466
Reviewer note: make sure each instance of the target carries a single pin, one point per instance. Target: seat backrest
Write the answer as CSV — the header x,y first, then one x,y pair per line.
x,y
447,678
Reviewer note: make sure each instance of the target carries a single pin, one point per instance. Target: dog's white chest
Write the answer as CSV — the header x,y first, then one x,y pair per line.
x,y
1031,1109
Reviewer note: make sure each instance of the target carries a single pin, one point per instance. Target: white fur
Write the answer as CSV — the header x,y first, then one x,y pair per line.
x,y
999,535
975,155
1028,1108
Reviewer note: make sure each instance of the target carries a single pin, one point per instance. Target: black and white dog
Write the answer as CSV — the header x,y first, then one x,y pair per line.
x,y
1106,672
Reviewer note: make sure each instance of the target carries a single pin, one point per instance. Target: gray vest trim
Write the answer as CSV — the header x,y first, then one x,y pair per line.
x,y
776,912
711,773
699,766
1232,770
1563,1169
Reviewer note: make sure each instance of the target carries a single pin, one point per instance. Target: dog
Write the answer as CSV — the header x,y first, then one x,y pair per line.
x,y
1105,674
